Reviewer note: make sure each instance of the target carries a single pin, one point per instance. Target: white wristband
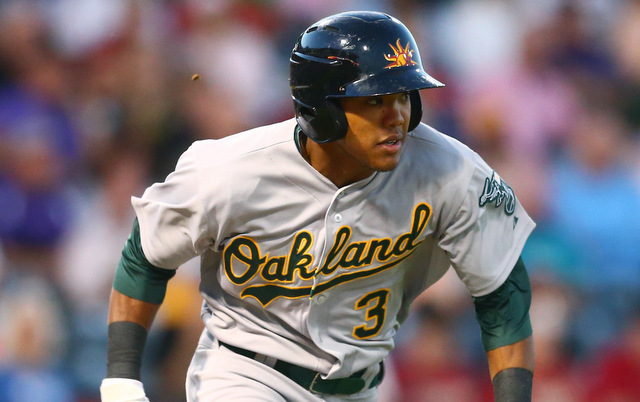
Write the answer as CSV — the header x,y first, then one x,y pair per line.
x,y
122,390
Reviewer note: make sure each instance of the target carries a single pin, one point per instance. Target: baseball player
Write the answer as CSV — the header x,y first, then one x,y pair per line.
x,y
315,234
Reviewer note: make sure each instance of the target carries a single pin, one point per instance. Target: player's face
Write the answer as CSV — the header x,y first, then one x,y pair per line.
x,y
377,131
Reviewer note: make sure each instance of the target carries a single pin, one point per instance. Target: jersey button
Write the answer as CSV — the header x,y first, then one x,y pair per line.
x,y
337,218
321,299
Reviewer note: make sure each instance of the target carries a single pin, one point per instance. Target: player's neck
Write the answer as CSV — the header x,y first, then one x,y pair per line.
x,y
330,160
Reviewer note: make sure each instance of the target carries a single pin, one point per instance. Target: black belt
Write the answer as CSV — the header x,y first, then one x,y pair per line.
x,y
312,380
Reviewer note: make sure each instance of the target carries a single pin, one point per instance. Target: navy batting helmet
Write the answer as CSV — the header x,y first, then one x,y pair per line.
x,y
359,53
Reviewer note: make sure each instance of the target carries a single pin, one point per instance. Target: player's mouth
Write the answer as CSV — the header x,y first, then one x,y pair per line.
x,y
391,144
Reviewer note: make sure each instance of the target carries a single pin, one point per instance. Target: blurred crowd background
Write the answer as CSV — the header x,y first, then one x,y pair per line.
x,y
97,102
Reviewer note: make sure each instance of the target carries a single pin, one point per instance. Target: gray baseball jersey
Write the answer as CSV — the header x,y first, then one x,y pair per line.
x,y
295,268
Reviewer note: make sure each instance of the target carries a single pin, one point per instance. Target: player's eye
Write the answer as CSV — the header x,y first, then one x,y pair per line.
x,y
374,100
403,97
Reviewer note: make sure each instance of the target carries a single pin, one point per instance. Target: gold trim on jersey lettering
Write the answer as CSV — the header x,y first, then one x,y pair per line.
x,y
377,313
246,252
356,254
251,263
350,255
265,294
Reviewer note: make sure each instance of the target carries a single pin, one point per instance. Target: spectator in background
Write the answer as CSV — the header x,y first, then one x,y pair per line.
x,y
616,368
33,341
530,101
233,50
582,52
38,152
89,253
558,377
593,203
428,366
518,114
38,144
624,44
472,39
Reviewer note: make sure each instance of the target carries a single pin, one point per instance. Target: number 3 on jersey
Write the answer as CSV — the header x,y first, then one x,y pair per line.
x,y
376,305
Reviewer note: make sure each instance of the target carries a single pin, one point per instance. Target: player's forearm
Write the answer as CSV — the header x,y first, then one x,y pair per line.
x,y
129,323
519,354
125,308
511,369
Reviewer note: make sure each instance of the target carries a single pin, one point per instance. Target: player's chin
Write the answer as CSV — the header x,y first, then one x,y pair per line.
x,y
385,164
386,161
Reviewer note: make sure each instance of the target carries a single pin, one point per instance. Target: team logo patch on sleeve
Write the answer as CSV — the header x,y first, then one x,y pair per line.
x,y
498,192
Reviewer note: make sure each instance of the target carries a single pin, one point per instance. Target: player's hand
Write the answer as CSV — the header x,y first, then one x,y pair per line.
x,y
122,390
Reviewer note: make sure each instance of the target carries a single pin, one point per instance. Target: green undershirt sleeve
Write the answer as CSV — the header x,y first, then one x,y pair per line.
x,y
136,277
503,314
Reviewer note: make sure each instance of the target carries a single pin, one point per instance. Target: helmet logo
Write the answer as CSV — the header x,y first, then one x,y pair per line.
x,y
402,56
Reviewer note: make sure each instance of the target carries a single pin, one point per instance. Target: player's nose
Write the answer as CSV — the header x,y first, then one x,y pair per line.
x,y
397,111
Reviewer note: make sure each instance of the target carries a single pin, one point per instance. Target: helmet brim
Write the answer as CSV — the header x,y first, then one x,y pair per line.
x,y
392,81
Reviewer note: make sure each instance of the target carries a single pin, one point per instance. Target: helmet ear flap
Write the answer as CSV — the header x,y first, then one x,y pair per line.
x,y
416,109
324,123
